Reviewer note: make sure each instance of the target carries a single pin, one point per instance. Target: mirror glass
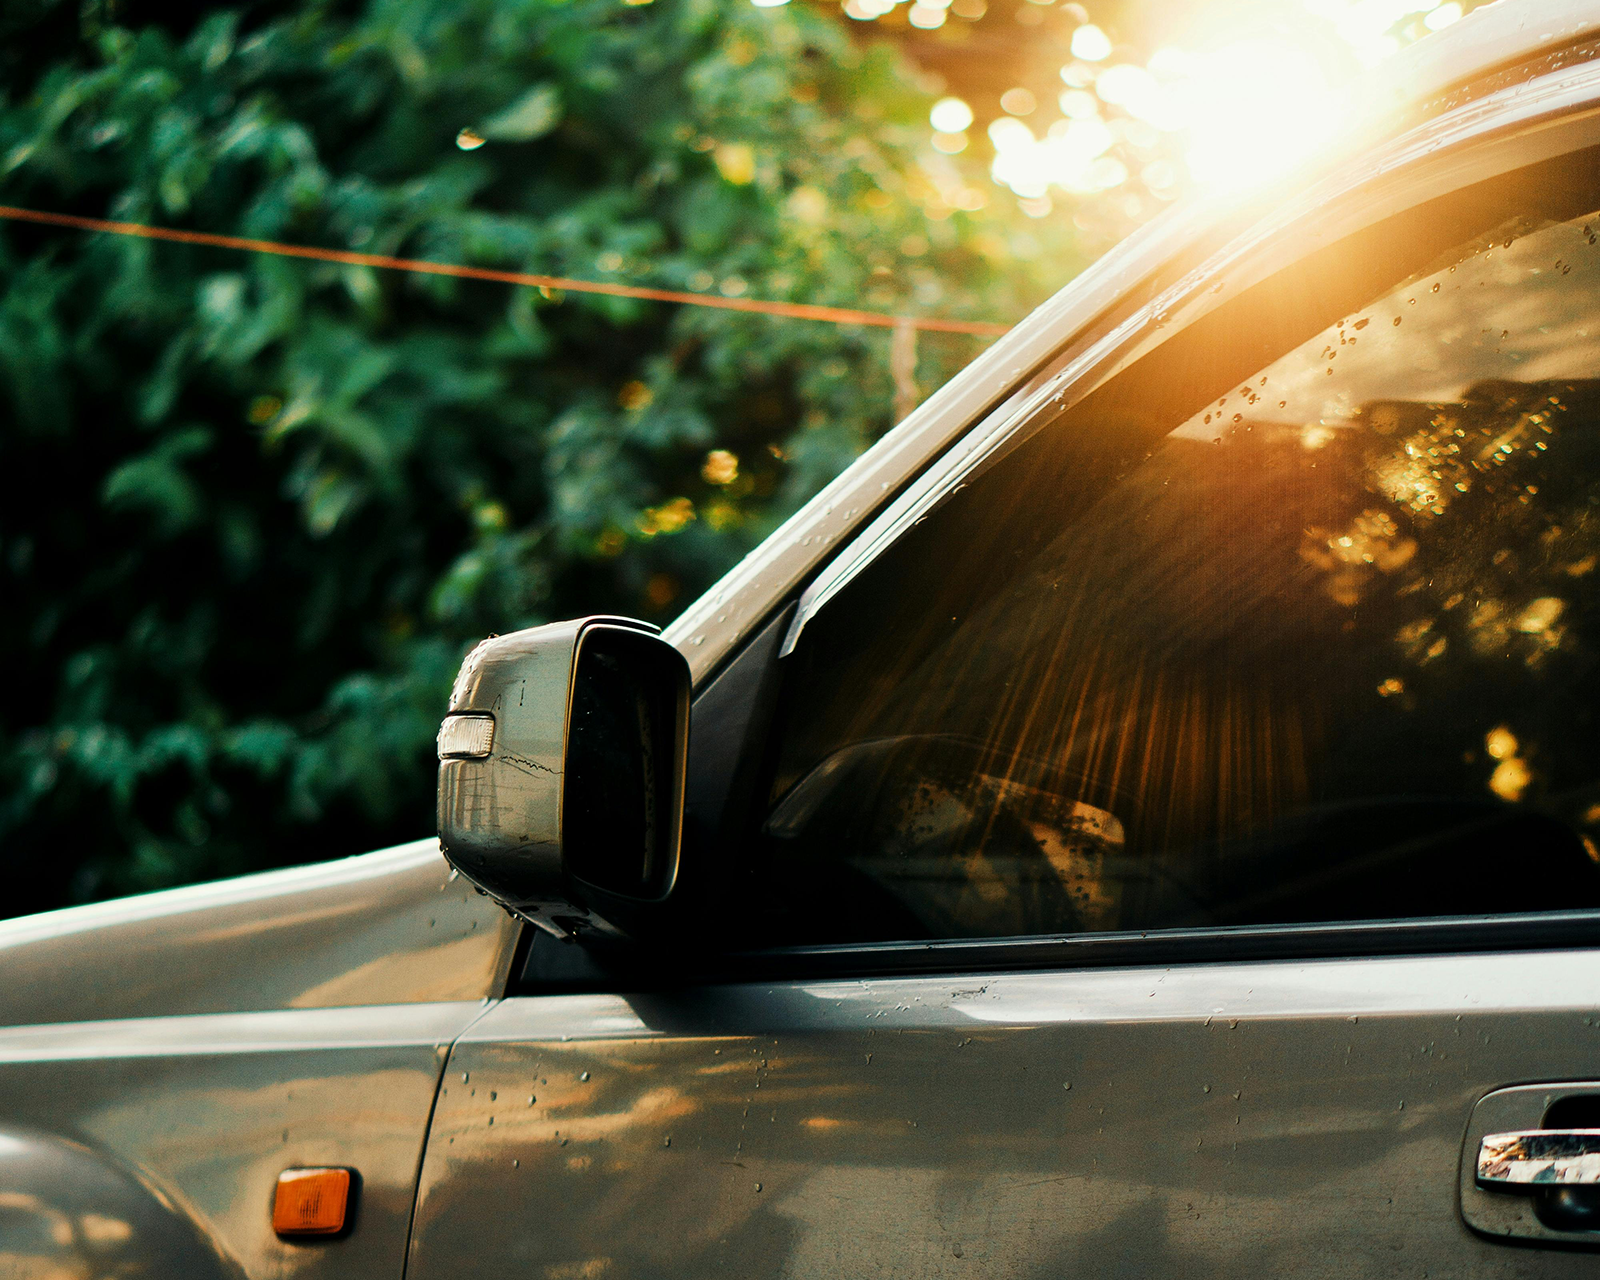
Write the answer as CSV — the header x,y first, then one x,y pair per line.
x,y
624,764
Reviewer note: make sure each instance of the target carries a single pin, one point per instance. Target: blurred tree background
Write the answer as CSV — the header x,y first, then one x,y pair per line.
x,y
253,510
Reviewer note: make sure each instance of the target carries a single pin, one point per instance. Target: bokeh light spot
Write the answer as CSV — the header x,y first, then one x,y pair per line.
x,y
950,115
1090,43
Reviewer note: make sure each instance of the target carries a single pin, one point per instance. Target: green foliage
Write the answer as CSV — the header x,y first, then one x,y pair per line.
x,y
253,510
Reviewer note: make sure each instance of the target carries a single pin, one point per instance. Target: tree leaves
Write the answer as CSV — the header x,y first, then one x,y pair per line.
x,y
531,116
253,510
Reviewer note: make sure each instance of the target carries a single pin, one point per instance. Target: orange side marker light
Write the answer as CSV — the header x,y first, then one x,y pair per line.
x,y
311,1202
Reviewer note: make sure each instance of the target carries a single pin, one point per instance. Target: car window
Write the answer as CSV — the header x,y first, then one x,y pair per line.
x,y
1317,642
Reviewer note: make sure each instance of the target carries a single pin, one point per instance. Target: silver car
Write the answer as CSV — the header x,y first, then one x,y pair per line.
x,y
1140,820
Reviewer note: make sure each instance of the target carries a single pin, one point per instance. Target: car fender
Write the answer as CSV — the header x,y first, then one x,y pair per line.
x,y
66,1210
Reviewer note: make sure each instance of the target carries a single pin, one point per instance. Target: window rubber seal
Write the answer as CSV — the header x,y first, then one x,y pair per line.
x,y
645,968
1531,931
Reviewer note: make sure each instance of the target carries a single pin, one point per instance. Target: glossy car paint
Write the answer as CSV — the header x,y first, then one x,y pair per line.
x,y
386,928
209,1110
1266,1119
165,1057
289,1019
1237,1119
66,1211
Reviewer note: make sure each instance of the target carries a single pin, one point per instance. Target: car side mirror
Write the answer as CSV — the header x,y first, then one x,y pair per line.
x,y
561,771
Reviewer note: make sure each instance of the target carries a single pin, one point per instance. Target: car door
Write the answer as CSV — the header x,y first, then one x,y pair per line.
x,y
1166,844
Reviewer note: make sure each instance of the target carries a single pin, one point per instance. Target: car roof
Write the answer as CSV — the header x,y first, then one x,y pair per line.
x,y
1512,37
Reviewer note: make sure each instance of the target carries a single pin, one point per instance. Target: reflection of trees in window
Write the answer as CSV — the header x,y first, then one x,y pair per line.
x,y
1486,531
1296,618
1307,648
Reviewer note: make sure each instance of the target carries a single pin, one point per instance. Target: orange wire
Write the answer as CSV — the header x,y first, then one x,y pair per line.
x,y
794,310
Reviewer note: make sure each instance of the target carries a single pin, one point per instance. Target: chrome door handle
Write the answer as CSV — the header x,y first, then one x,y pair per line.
x,y
1535,1158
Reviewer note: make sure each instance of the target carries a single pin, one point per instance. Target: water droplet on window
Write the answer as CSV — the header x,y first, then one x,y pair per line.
x,y
584,1076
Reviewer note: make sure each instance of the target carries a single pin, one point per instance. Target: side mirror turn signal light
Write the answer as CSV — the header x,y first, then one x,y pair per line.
x,y
466,737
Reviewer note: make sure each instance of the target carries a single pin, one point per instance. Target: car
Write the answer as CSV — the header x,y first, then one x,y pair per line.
x,y
1142,819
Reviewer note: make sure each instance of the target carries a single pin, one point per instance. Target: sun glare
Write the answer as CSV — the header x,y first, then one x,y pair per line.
x,y
1238,114
1250,97
1250,110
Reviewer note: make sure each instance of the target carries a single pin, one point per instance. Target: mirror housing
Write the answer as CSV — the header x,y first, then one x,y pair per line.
x,y
561,771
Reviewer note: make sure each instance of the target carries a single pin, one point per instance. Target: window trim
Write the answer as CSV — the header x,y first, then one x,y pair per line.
x,y
1161,948
647,968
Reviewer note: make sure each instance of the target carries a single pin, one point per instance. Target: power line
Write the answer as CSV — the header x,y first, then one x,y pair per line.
x,y
421,266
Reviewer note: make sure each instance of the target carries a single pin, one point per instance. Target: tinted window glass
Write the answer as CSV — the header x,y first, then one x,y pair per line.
x,y
1320,645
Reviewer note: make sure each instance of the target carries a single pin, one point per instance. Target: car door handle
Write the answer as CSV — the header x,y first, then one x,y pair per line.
x,y
1537,1158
